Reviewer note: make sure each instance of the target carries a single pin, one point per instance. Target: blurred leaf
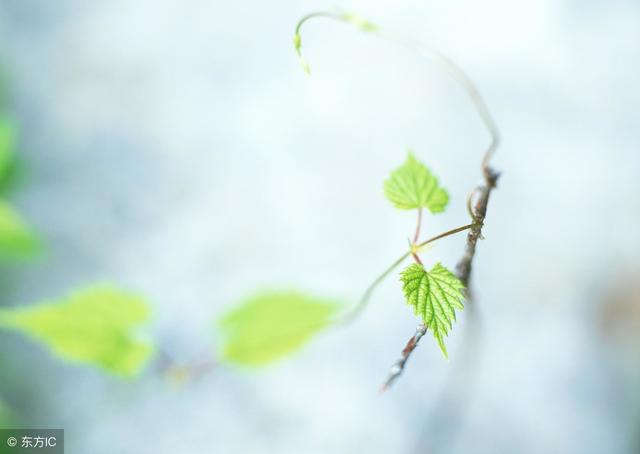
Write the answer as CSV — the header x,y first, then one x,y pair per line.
x,y
269,326
413,186
96,326
16,239
5,415
7,145
434,296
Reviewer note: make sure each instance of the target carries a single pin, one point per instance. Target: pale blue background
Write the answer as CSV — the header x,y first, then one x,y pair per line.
x,y
177,148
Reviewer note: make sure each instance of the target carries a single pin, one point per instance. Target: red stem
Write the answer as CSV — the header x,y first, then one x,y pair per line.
x,y
415,238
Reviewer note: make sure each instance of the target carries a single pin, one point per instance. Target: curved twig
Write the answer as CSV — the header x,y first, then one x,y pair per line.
x,y
477,212
429,53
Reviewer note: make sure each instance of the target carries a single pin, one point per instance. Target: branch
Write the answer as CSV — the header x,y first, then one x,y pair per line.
x,y
478,212
364,299
463,268
398,366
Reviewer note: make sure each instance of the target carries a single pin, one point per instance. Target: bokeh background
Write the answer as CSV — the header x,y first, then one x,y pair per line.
x,y
177,148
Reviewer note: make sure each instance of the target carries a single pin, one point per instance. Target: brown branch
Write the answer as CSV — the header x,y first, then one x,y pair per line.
x,y
398,366
478,213
464,266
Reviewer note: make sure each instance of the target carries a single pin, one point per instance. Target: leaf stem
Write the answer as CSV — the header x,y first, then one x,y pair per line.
x,y
447,233
414,249
415,237
366,296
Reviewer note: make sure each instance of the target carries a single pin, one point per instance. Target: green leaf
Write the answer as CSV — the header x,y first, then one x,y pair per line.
x,y
434,295
16,239
413,186
5,415
96,326
7,145
269,326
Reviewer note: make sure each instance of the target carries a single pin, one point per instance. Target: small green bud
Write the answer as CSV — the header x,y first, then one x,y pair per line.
x,y
297,43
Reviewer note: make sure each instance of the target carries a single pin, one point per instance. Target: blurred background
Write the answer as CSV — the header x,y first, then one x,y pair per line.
x,y
177,148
